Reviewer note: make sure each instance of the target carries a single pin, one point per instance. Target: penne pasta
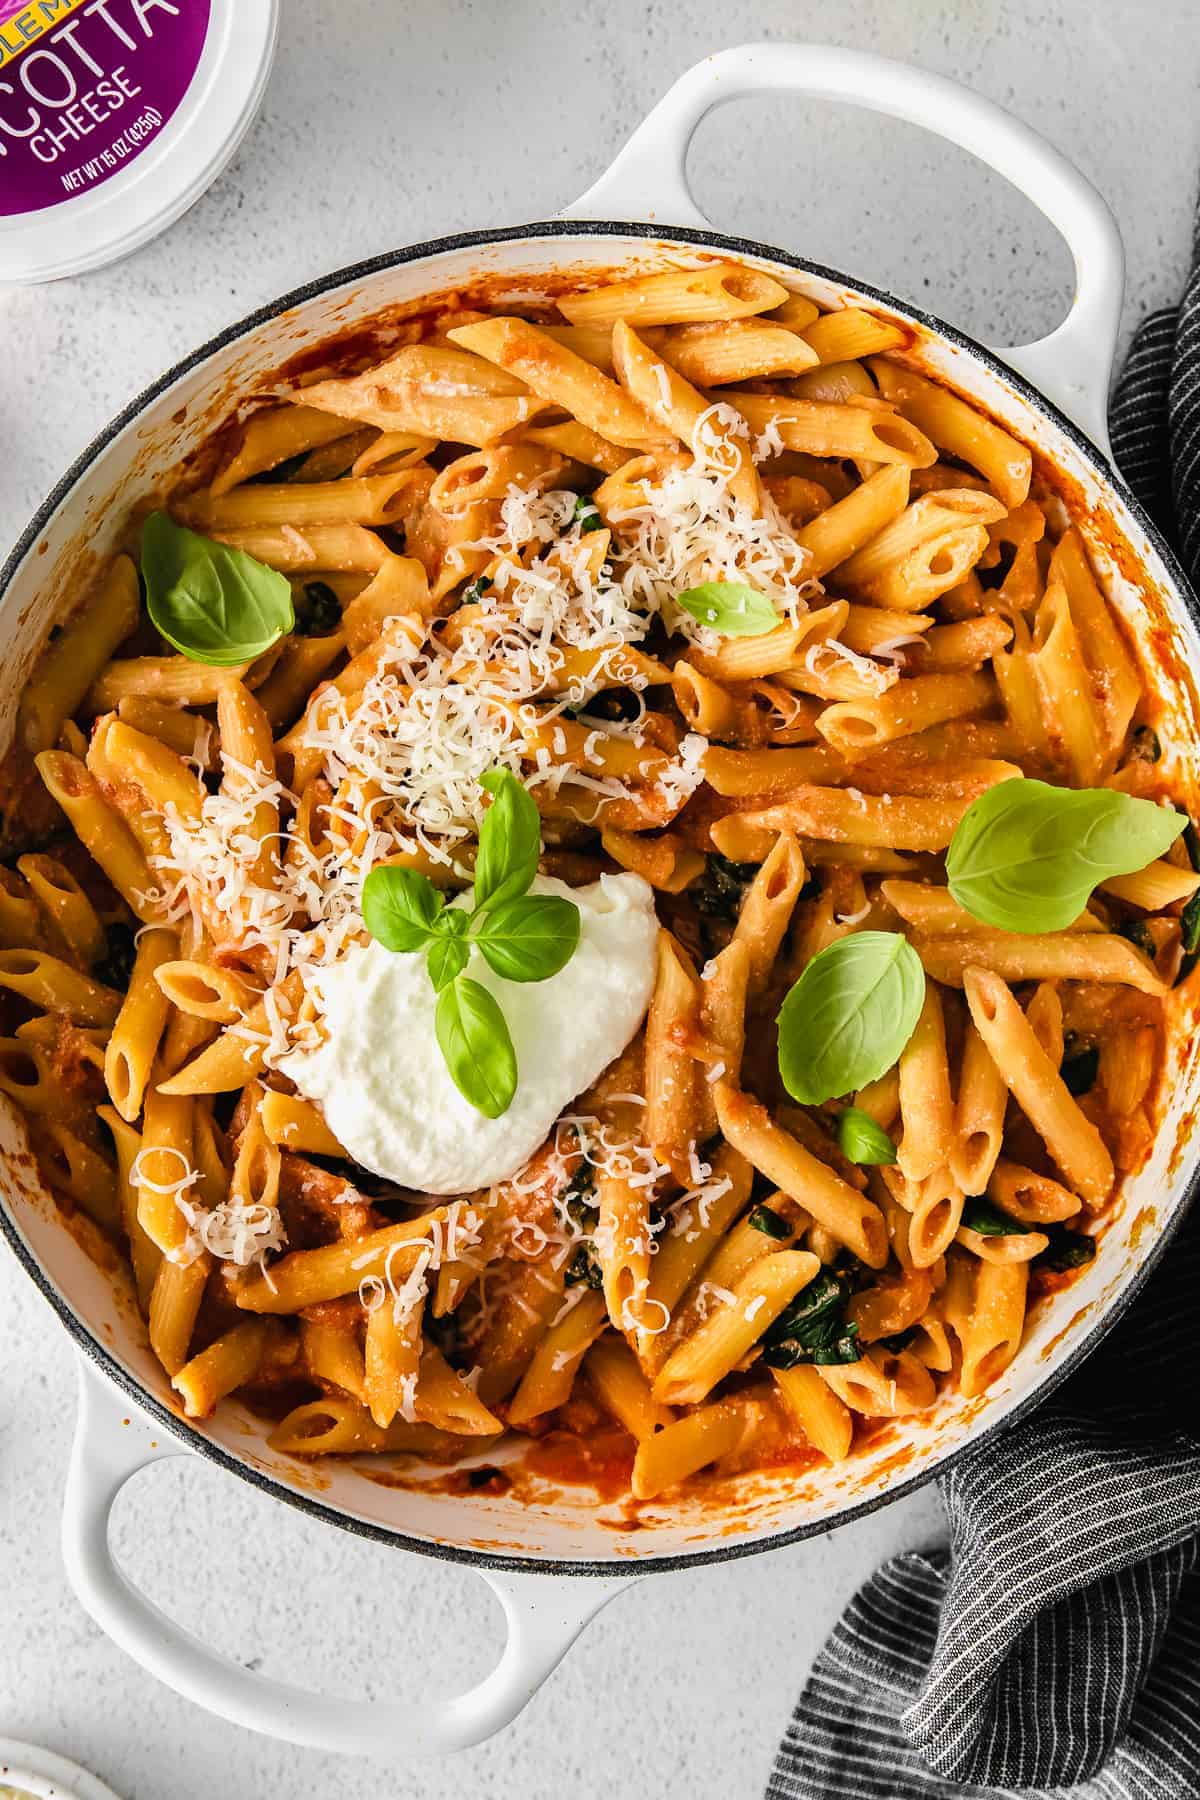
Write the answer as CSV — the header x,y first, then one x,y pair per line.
x,y
228,1363
1069,956
679,296
640,651
912,705
959,430
133,1046
71,663
724,350
825,1420
759,1295
847,1214
672,1096
681,411
1035,1083
828,428
926,1106
561,378
685,1446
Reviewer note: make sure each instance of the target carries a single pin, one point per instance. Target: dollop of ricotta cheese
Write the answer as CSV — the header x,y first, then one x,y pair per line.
x,y
380,1078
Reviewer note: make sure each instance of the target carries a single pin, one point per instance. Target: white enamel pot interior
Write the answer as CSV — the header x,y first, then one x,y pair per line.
x,y
556,1558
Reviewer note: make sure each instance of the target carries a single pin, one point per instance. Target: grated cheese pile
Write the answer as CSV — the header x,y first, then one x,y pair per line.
x,y
539,606
234,1231
404,755
690,529
619,1156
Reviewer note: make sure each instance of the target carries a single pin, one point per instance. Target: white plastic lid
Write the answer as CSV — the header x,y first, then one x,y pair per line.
x,y
115,115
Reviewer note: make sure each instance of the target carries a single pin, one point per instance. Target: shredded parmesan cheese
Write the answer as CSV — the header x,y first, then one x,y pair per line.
x,y
854,918
828,651
236,1231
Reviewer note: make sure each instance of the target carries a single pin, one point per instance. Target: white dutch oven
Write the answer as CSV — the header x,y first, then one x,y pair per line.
x,y
555,1561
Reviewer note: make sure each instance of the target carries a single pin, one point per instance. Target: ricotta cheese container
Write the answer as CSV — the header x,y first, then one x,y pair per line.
x,y
115,116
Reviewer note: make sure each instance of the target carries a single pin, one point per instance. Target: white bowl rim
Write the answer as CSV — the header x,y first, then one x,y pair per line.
x,y
187,1433
48,1776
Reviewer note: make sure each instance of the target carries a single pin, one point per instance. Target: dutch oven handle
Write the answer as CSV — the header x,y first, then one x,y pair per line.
x,y
544,1615
1072,367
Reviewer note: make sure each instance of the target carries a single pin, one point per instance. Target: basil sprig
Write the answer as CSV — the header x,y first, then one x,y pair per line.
x,y
849,1016
1026,856
214,604
813,1328
730,608
521,936
862,1139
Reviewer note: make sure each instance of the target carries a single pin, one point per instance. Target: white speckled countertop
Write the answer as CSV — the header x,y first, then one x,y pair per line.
x,y
384,124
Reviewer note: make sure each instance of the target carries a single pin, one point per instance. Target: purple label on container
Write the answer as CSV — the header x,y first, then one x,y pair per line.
x,y
85,87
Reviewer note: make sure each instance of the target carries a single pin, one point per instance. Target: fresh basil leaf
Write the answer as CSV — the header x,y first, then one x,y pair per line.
x,y
1080,1066
214,604
474,591
1026,856
813,1327
849,1016
980,1215
530,938
474,1040
510,840
862,1139
1067,1249
448,957
730,608
400,907
769,1222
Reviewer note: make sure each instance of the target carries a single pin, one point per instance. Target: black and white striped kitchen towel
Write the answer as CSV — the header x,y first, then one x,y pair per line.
x,y
1054,1649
